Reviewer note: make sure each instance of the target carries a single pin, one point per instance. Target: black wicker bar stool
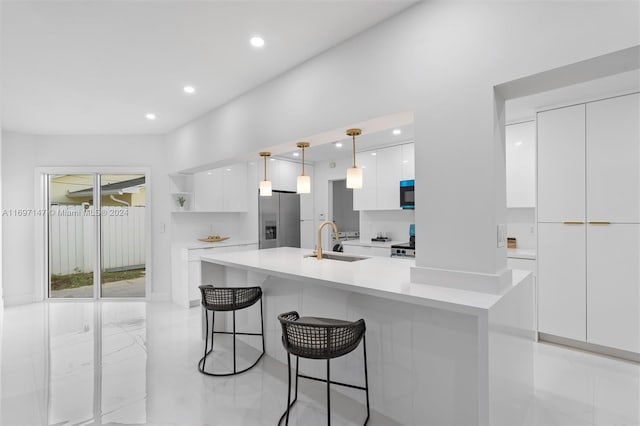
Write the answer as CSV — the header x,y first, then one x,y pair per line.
x,y
321,338
225,299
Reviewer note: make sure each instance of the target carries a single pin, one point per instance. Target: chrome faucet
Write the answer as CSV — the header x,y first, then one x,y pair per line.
x,y
318,252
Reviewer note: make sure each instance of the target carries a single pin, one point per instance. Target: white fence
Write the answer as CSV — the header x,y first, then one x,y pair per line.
x,y
72,235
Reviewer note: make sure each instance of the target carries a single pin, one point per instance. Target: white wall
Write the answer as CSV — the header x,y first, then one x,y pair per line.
x,y
442,61
23,153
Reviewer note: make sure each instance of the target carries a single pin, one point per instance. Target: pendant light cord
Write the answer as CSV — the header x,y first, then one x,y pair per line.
x,y
265,167
303,161
354,151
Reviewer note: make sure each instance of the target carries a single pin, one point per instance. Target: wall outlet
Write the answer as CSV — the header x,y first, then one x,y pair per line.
x,y
502,235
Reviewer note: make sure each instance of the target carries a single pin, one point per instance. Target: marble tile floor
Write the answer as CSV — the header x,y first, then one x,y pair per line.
x,y
132,362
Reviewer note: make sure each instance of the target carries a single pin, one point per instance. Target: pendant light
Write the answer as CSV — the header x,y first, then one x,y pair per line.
x,y
354,174
304,182
265,185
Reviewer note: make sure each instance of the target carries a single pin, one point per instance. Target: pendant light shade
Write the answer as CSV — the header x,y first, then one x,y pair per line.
x,y
354,174
304,185
304,182
354,178
265,185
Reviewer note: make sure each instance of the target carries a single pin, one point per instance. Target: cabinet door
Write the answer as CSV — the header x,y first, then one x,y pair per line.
x,y
366,198
408,162
613,286
521,164
613,160
389,166
208,190
561,280
561,164
234,179
285,175
195,280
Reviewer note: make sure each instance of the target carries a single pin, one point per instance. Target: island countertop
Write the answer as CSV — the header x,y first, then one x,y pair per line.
x,y
375,276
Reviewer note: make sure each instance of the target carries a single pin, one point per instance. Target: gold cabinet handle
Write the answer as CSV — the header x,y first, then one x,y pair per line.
x,y
573,222
599,222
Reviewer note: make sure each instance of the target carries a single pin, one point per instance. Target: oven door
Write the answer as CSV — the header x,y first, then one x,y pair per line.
x,y
407,194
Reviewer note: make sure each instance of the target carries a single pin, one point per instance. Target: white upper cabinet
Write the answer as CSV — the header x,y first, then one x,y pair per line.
x,y
382,171
389,169
221,190
408,162
234,192
521,164
613,166
561,164
208,190
283,174
366,198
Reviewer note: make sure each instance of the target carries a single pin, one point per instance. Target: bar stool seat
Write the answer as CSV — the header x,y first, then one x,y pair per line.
x,y
228,299
321,338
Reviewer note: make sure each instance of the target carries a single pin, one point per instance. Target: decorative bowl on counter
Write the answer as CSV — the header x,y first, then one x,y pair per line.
x,y
213,239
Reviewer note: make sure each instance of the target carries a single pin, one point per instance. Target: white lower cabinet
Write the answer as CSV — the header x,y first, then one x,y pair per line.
x,y
562,280
613,286
190,272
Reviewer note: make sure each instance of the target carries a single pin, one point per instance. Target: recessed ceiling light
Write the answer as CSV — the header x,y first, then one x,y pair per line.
x,y
228,170
272,159
150,116
518,143
256,41
397,132
189,89
338,144
295,154
373,153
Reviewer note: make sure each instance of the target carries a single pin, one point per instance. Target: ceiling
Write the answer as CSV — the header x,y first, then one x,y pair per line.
x,y
98,67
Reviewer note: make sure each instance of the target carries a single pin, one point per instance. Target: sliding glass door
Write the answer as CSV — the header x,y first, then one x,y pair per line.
x,y
122,249
96,222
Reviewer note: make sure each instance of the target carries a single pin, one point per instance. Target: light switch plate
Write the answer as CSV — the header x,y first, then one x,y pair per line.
x,y
502,235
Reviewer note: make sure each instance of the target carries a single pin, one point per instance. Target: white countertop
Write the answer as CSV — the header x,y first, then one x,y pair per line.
x,y
519,253
369,243
377,276
193,245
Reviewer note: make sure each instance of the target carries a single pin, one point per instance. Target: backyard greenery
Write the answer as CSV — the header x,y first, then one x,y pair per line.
x,y
80,279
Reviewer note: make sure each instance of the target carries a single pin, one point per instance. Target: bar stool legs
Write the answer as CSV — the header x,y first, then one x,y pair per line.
x,y
328,381
207,350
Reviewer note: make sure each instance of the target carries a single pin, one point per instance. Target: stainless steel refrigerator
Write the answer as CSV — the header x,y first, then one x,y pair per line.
x,y
279,217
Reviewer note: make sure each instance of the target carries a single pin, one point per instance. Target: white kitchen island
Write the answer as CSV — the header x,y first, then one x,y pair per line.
x,y
436,355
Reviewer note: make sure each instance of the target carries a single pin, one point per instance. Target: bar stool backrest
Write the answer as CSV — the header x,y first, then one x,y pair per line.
x,y
319,338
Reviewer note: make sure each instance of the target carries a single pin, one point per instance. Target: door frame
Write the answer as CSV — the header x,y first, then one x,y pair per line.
x,y
41,260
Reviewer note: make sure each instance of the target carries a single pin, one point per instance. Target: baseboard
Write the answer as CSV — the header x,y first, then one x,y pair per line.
x,y
160,297
23,299
590,347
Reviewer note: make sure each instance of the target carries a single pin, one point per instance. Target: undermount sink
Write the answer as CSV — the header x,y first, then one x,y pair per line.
x,y
341,257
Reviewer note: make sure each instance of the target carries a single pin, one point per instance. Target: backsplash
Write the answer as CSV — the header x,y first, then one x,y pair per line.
x,y
188,227
521,224
395,223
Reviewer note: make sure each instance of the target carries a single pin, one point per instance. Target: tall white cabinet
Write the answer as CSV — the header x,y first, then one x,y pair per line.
x,y
589,222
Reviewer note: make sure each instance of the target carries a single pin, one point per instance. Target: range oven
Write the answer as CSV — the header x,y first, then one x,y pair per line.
x,y
407,194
